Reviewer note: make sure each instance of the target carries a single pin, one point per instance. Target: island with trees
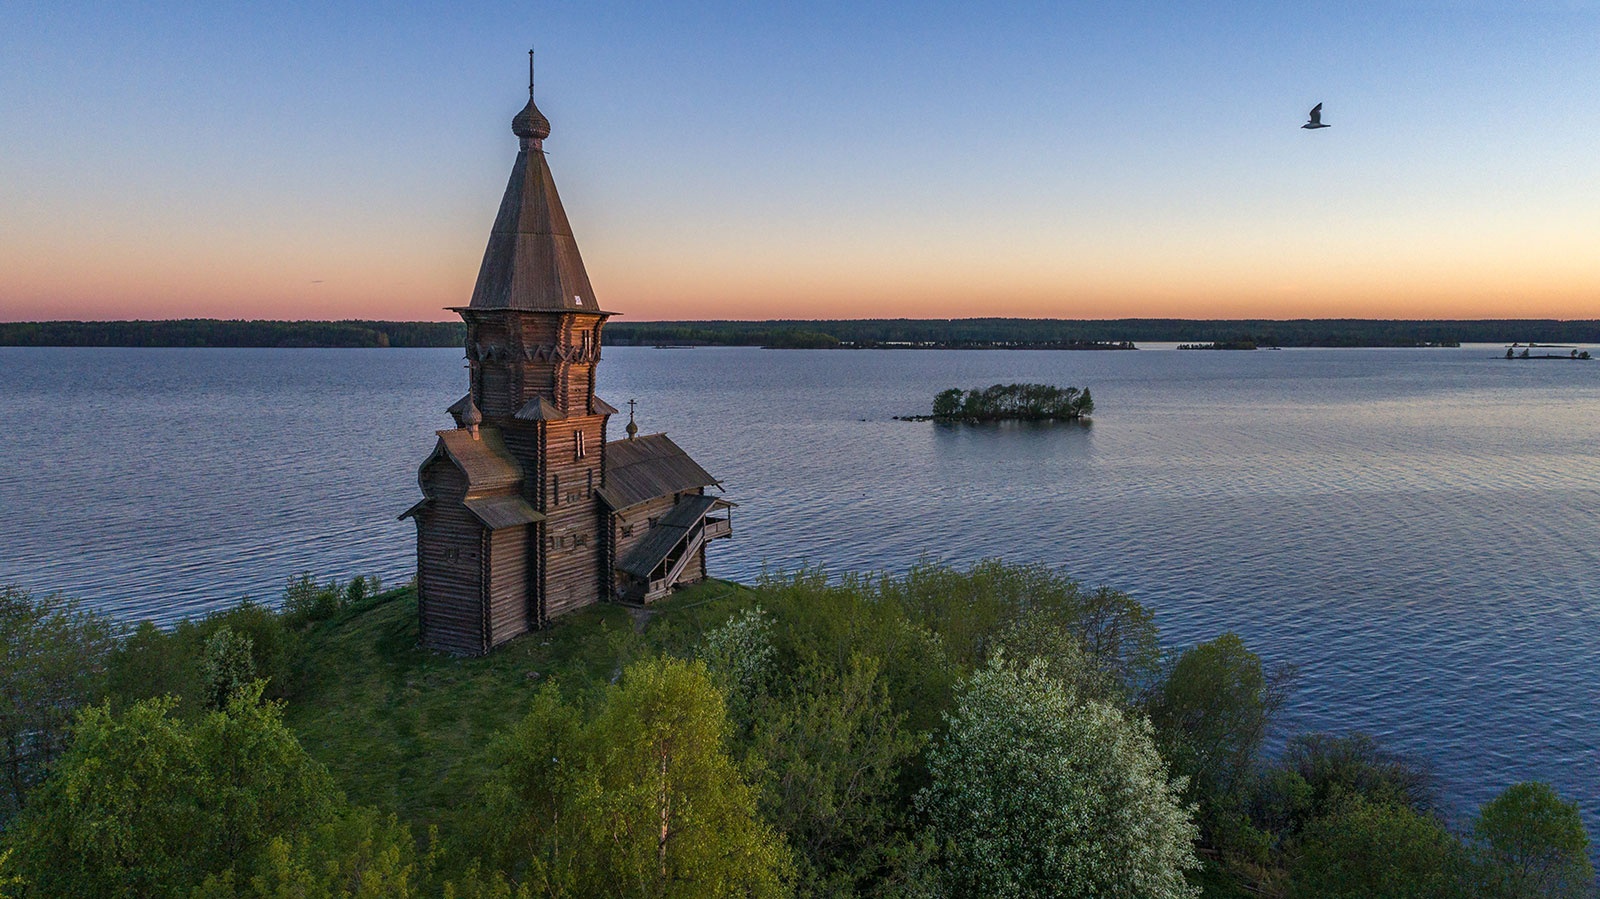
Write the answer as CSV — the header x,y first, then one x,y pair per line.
x,y
1010,402
998,730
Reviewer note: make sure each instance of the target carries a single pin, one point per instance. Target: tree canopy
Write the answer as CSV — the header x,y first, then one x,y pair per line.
x,y
1013,402
1034,793
641,800
146,804
53,657
1533,844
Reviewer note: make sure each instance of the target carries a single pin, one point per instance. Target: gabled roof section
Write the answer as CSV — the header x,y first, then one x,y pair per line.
x,y
539,409
665,536
647,467
485,461
532,260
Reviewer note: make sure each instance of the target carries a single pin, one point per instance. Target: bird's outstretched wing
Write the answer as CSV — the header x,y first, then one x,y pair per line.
x,y
1316,114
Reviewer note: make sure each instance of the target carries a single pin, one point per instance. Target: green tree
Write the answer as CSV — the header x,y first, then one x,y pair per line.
x,y
1532,844
53,656
819,625
741,658
143,803
947,403
358,855
643,800
1036,793
528,816
226,666
1211,714
1369,849
665,811
1326,770
8,881
969,609
273,647
1049,636
151,662
832,754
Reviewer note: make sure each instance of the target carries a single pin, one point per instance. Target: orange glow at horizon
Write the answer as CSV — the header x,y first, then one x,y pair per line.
x,y
804,270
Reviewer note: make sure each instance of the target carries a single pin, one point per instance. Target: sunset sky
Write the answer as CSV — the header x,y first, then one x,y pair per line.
x,y
809,160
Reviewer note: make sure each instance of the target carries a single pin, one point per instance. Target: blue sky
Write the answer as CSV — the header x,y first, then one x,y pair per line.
x,y
744,160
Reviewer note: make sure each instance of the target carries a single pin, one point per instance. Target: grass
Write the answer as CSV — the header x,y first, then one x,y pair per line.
x,y
407,730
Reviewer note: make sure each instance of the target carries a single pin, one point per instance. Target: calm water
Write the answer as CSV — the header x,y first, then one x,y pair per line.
x,y
1418,530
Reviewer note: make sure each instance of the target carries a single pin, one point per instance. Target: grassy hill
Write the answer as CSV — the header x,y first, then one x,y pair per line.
x,y
405,729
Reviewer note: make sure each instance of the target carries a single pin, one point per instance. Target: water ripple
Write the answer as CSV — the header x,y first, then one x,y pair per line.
x,y
1417,530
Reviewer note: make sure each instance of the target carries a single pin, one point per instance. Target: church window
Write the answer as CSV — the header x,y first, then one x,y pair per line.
x,y
577,440
555,489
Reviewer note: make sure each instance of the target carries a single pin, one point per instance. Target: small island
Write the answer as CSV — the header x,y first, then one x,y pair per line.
x,y
1575,355
1010,402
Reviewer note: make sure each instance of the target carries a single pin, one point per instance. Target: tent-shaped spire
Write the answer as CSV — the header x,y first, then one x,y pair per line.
x,y
532,261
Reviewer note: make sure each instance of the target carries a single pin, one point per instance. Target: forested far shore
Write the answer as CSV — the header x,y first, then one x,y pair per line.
x,y
211,332
1024,333
993,731
970,333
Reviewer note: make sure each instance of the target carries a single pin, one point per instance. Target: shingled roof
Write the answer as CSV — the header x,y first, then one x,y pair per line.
x,y
532,260
647,467
485,461
502,511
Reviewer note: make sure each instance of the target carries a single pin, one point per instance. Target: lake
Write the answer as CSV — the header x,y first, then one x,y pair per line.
x,y
1417,530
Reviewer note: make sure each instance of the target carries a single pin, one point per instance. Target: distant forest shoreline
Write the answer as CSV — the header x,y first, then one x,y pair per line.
x,y
969,333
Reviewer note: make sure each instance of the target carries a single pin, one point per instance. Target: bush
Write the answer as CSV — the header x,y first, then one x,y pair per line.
x,y
1211,714
226,666
146,804
1338,768
151,662
1366,849
1034,793
1532,844
53,658
307,602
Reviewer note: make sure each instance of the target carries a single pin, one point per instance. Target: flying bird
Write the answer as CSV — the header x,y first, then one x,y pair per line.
x,y
1316,118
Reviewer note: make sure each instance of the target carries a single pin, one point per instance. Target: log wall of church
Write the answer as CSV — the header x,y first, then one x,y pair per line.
x,y
450,544
508,584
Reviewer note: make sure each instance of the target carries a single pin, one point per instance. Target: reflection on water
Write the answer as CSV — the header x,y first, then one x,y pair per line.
x,y
1418,530
1017,439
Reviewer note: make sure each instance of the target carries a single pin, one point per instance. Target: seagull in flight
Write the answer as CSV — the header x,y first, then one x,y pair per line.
x,y
1316,118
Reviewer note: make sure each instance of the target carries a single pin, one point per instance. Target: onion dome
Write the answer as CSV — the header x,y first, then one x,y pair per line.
x,y
471,417
530,123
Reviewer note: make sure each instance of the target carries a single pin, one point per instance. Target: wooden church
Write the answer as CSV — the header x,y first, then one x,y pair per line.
x,y
527,511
